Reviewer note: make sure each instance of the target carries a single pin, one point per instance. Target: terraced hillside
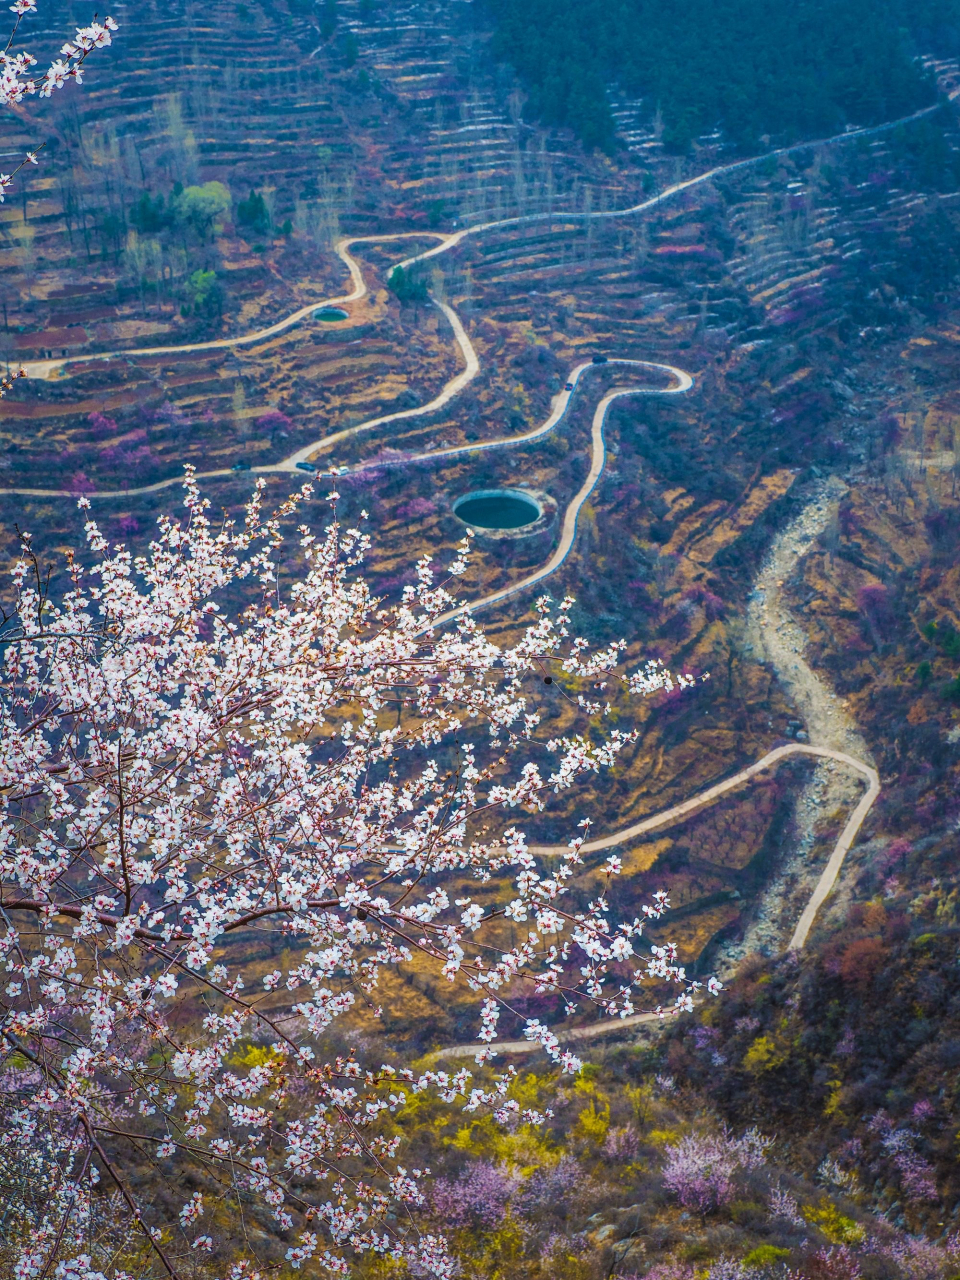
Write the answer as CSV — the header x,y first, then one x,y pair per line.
x,y
782,288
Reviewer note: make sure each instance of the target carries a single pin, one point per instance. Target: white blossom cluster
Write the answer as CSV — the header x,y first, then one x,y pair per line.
x,y
187,784
52,1205
17,78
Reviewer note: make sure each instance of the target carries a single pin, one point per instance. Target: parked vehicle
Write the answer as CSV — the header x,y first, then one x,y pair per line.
x,y
307,466
600,359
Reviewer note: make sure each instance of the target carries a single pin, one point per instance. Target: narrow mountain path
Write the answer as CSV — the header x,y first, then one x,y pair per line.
x,y
835,737
568,530
447,241
614,1026
772,635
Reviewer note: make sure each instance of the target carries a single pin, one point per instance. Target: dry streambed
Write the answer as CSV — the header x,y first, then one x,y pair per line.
x,y
795,893
774,636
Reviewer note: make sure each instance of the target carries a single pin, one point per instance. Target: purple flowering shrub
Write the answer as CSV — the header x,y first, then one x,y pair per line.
x,y
712,1205
917,1175
622,1144
102,427
839,1262
550,1187
171,415
478,1197
131,463
916,1258
670,1269
126,526
272,421
700,1170
80,482
415,509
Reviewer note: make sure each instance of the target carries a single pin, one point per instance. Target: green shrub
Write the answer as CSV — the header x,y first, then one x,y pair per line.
x,y
204,295
945,637
199,207
253,213
410,285
148,215
747,1212
695,1251
765,1255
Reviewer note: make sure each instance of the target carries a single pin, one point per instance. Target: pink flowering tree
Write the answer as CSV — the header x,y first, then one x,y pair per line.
x,y
478,1197
917,1175
187,784
701,1169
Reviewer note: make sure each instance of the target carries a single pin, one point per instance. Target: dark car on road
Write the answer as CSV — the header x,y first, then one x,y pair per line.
x,y
600,359
240,465
307,466
568,387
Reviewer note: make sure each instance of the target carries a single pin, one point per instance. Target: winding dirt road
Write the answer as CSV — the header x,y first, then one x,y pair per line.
x,y
614,1026
44,369
777,638
667,193
666,817
568,531
681,383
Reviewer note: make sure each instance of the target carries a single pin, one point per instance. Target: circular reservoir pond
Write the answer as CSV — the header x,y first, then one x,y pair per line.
x,y
498,509
331,314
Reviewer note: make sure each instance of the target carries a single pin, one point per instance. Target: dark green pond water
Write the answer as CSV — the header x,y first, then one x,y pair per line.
x,y
330,314
498,511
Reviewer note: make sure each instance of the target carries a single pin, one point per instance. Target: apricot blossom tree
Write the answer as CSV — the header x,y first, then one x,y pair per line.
x,y
17,82
15,78
227,808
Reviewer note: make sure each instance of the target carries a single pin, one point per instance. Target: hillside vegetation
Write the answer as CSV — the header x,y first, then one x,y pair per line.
x,y
813,297
751,67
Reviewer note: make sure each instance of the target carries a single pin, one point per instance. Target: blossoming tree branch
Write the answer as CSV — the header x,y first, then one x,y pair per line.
x,y
17,82
187,782
16,79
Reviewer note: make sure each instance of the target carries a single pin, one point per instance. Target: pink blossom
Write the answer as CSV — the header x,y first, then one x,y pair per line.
x,y
622,1144
102,427
274,421
700,1169
80,482
923,1110
549,1187
14,67
415,509
478,1197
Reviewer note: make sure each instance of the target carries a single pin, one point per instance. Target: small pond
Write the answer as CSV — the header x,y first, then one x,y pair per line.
x,y
330,314
497,509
